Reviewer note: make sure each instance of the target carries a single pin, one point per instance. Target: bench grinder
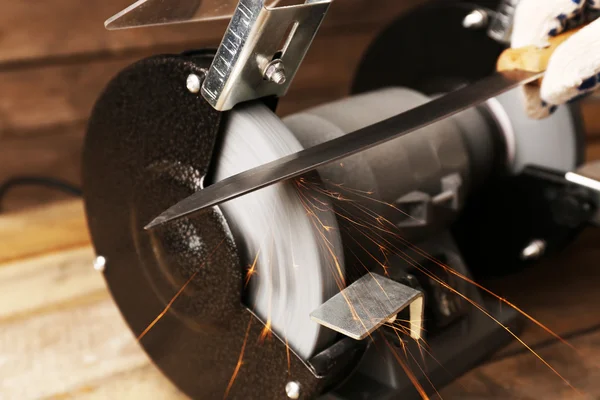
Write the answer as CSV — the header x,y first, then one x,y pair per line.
x,y
325,285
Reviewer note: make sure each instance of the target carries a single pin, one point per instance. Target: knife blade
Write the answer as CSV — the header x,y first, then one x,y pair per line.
x,y
373,135
515,67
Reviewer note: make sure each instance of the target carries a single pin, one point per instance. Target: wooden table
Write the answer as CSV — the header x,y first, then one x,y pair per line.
x,y
61,336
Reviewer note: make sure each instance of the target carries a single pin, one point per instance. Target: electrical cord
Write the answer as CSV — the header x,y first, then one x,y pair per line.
x,y
51,183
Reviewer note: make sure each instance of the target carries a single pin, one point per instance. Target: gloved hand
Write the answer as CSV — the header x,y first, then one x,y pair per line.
x,y
574,68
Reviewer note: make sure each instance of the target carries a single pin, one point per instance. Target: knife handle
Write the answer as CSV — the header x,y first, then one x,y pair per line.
x,y
532,58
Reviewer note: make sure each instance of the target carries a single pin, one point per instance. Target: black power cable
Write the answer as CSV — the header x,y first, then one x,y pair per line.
x,y
50,183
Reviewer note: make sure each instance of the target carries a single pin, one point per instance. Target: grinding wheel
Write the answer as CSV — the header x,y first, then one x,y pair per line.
x,y
294,272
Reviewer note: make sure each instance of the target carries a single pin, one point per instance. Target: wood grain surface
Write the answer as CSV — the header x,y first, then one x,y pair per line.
x,y
56,227
60,329
524,377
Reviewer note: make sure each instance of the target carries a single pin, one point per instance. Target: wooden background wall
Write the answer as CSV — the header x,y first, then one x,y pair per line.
x,y
56,56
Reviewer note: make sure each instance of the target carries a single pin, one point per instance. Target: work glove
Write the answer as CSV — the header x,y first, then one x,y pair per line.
x,y
574,68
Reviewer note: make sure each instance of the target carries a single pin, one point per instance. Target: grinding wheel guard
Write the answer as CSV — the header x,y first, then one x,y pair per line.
x,y
149,144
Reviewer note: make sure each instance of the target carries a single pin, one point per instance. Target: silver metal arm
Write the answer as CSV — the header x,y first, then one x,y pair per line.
x,y
261,51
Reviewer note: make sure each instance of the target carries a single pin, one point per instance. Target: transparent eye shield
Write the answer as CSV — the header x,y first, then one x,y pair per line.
x,y
164,12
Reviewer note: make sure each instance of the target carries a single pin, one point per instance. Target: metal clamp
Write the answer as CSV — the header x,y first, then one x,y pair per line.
x,y
259,37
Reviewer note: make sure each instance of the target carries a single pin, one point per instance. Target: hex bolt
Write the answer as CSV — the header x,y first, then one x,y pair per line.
x,y
275,72
292,389
193,83
100,263
476,19
534,250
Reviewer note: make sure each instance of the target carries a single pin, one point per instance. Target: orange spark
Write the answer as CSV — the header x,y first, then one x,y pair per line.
x,y
379,227
240,361
380,220
266,332
486,313
407,371
289,358
401,342
501,299
252,270
367,195
481,287
316,222
162,314
422,346
423,371
468,280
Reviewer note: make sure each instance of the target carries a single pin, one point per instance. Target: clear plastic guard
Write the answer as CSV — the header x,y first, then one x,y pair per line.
x,y
164,12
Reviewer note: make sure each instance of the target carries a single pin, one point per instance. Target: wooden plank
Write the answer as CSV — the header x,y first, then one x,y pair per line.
x,y
59,328
57,150
48,282
65,94
68,27
56,153
145,382
592,150
554,293
590,111
56,227
527,378
56,352
25,197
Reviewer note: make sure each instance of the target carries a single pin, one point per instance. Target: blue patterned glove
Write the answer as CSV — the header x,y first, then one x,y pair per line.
x,y
574,68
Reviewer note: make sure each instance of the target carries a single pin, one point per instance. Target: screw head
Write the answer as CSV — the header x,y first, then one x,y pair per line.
x,y
275,72
292,389
193,83
534,250
100,264
476,19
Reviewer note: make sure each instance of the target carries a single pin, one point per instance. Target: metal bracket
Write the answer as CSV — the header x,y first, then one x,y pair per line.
x,y
367,304
420,207
258,36
502,22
